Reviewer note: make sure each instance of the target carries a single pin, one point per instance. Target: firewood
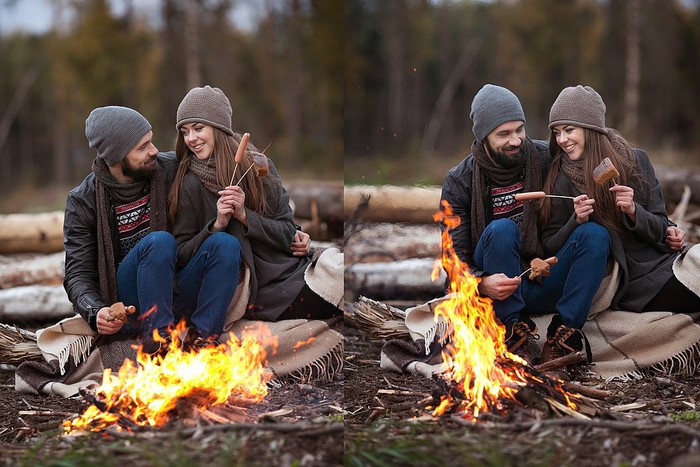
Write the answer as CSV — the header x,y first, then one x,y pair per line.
x,y
586,391
561,362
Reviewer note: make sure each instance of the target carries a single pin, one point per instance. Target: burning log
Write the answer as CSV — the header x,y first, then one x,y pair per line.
x,y
157,390
571,359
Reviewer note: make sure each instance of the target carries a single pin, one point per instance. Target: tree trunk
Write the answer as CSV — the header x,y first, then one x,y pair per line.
x,y
632,69
38,270
393,203
392,242
41,233
399,279
34,303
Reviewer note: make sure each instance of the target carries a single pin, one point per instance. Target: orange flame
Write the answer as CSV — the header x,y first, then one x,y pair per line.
x,y
148,392
476,341
301,344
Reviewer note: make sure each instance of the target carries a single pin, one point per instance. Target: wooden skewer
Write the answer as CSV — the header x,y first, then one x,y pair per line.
x,y
244,174
525,272
559,196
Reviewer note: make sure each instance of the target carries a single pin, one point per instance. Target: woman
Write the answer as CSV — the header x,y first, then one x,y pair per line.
x,y
630,207
213,199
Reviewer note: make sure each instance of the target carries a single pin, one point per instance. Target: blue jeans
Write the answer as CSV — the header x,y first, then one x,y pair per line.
x,y
573,282
145,279
206,285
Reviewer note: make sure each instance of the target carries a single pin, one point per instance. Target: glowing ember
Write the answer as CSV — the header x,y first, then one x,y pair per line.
x,y
148,393
476,358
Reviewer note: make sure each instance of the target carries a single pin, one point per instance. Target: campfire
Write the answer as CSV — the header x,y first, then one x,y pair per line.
x,y
480,375
155,390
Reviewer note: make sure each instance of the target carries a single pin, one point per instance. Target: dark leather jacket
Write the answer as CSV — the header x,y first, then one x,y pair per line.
x,y
80,243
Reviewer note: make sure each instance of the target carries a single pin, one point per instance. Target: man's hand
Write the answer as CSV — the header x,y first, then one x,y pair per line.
x,y
301,244
498,286
104,326
675,238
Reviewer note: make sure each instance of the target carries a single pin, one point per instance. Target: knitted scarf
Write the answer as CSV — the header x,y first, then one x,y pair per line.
x,y
486,172
108,192
574,170
206,172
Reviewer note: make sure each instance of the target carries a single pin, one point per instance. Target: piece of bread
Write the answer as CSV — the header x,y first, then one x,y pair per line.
x,y
604,172
119,312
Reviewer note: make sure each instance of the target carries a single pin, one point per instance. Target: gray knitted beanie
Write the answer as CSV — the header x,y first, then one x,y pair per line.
x,y
493,106
206,105
114,131
579,106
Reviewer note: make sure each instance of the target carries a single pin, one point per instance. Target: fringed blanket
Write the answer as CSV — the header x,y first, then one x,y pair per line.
x,y
306,350
625,345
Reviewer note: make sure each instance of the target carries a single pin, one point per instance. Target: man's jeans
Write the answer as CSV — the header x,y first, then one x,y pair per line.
x,y
206,285
145,279
573,282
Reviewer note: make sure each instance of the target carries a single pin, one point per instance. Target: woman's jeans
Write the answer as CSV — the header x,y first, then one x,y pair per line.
x,y
206,285
573,282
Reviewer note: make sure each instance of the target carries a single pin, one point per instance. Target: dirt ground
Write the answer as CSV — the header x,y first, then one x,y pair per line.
x,y
296,425
649,422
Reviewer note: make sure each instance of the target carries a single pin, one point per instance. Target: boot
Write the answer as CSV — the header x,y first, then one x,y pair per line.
x,y
194,341
563,340
521,340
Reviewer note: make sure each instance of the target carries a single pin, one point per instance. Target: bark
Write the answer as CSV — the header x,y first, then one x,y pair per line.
x,y
41,233
317,199
34,303
393,203
40,270
392,242
409,278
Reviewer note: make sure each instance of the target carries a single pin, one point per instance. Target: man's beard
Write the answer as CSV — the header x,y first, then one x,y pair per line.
x,y
505,160
138,174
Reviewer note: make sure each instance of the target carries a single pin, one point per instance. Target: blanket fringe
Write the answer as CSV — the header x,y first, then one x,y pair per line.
x,y
79,349
686,362
325,367
442,329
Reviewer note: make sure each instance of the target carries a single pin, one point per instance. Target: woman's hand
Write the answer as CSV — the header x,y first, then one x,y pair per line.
x,y
301,244
231,203
675,238
624,198
583,208
103,325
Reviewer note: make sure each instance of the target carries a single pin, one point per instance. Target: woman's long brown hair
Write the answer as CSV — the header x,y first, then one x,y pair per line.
x,y
598,146
225,147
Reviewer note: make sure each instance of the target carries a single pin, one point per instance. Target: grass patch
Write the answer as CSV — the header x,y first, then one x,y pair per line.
x,y
417,444
689,416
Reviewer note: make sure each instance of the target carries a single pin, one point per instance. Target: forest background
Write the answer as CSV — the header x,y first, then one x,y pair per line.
x,y
369,91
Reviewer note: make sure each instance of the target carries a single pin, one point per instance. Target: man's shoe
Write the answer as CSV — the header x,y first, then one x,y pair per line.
x,y
194,341
563,340
521,340
156,348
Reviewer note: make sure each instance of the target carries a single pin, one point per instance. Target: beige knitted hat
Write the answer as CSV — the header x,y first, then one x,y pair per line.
x,y
579,106
206,105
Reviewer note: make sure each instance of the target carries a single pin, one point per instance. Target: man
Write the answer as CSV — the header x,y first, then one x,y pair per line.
x,y
115,238
498,236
